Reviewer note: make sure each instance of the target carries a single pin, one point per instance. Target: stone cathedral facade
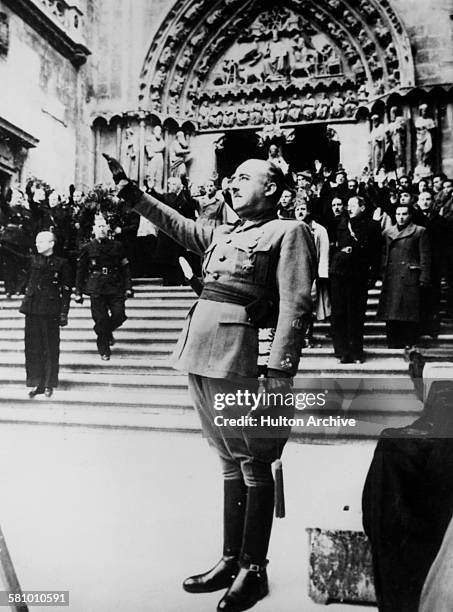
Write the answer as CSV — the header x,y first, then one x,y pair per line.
x,y
213,82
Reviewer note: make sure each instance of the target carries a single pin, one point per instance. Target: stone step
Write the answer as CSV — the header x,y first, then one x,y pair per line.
x,y
325,365
162,375
175,395
166,412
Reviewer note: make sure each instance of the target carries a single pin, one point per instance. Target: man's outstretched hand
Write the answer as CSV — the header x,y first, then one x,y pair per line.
x,y
116,169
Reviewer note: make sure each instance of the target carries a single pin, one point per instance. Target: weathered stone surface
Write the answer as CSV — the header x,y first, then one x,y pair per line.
x,y
340,568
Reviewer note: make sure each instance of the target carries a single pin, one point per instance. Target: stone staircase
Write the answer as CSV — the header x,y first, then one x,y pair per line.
x,y
137,388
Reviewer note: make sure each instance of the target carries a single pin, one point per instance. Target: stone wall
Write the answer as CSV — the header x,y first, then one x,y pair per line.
x,y
124,29
430,27
40,96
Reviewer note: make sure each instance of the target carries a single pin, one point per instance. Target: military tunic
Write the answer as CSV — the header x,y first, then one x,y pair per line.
x,y
270,263
45,306
103,274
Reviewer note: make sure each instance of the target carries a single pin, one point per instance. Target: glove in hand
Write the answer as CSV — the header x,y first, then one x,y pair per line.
x,y
115,168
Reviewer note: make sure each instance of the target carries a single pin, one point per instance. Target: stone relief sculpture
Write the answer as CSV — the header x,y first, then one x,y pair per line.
x,y
268,113
180,155
243,113
398,135
295,108
256,112
323,107
203,114
229,117
154,149
216,115
377,143
131,153
424,128
337,106
281,111
308,107
350,104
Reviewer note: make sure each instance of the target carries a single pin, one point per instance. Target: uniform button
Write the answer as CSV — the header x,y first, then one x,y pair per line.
x,y
222,258
215,275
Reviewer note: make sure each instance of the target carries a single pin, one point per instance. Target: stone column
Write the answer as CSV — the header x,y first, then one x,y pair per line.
x,y
141,152
119,137
97,152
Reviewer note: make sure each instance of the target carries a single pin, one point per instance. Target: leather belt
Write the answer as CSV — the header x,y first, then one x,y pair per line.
x,y
217,292
105,271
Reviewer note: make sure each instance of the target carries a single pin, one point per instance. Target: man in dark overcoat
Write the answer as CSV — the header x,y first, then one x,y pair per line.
x,y
45,306
258,272
406,272
354,269
103,274
436,226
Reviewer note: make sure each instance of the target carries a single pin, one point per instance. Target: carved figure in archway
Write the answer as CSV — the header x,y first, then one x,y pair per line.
x,y
229,118
363,94
131,154
159,79
268,113
268,66
275,157
281,112
154,150
377,143
216,115
295,109
167,54
323,107
350,104
398,135
308,107
256,112
203,115
180,155
243,113
424,127
337,106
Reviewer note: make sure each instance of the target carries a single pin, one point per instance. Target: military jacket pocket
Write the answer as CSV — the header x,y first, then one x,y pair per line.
x,y
236,343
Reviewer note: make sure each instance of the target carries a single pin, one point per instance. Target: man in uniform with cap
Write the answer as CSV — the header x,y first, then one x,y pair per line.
x,y
258,273
103,274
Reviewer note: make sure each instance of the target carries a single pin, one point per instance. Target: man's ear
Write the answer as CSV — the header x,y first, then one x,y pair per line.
x,y
271,188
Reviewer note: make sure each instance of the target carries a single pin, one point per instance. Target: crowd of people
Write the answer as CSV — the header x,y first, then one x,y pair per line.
x,y
398,231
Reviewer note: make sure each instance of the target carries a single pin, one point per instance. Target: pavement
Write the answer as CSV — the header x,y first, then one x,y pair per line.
x,y
119,517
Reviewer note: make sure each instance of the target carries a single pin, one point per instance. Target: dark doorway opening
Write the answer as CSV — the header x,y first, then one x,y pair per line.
x,y
238,146
310,143
5,181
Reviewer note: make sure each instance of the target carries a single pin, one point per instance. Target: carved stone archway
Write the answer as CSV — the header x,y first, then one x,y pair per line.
x,y
230,64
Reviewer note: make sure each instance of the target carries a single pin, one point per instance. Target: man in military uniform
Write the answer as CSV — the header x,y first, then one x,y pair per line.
x,y
257,273
103,274
45,306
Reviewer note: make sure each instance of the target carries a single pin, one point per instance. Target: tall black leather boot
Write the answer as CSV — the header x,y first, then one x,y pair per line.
x,y
251,585
224,572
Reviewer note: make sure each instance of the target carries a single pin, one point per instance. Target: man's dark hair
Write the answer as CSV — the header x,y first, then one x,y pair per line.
x,y
410,208
408,193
